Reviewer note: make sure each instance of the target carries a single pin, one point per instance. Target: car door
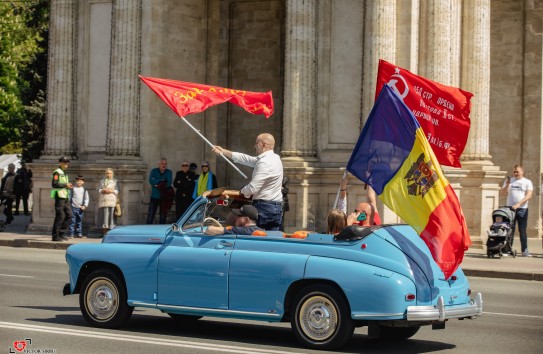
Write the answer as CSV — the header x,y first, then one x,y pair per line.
x,y
193,269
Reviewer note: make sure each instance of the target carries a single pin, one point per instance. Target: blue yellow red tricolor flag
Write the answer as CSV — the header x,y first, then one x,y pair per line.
x,y
394,157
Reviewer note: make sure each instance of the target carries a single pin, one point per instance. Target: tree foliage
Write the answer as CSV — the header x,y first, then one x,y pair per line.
x,y
23,70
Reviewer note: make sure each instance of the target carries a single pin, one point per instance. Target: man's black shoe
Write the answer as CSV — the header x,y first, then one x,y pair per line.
x,y
9,220
57,239
64,238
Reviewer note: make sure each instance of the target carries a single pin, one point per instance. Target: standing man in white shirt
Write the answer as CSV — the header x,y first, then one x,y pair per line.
x,y
519,190
266,182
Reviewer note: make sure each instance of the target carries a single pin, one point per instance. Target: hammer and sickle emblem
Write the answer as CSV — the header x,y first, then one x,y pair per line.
x,y
392,83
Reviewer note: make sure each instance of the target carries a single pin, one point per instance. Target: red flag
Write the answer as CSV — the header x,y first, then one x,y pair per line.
x,y
186,97
442,111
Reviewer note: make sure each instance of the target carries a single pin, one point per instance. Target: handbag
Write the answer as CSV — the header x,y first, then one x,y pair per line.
x,y
118,212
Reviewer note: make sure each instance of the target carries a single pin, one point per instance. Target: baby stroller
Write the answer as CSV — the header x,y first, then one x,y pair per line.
x,y
500,235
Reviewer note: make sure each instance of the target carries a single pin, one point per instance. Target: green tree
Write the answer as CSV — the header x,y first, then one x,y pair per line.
x,y
23,68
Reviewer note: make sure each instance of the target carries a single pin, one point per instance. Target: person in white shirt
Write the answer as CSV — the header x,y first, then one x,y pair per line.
x,y
79,199
266,182
519,190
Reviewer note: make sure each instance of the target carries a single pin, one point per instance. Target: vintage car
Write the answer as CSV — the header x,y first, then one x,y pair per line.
x,y
382,277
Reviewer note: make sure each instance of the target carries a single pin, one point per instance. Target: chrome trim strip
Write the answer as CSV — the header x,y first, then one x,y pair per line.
x,y
201,310
364,315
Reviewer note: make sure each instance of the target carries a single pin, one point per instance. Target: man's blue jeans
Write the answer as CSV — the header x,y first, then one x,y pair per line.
x,y
521,218
154,204
270,214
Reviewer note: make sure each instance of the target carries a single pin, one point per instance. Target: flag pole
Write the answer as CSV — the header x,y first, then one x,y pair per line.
x,y
339,189
212,146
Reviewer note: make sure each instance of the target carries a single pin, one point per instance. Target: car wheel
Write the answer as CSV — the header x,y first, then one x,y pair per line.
x,y
321,318
184,318
103,300
397,333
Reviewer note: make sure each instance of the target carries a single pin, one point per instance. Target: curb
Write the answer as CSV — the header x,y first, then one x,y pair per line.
x,y
35,244
502,274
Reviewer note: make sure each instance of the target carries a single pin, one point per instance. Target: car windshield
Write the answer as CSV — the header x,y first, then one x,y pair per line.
x,y
219,209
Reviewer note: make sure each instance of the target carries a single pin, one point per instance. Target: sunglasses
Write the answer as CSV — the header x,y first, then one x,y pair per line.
x,y
184,165
204,166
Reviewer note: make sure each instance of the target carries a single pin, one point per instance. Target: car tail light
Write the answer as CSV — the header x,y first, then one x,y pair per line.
x,y
223,202
469,292
454,277
410,297
363,246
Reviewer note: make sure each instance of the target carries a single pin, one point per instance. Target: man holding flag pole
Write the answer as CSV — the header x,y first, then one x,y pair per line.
x,y
266,182
265,187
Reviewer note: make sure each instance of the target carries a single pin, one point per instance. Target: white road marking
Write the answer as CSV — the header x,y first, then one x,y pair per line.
x,y
139,339
16,276
510,314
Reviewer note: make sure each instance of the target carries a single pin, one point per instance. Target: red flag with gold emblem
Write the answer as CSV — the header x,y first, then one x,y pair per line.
x,y
186,97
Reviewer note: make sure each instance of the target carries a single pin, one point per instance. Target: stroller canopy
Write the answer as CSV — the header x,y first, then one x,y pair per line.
x,y
504,212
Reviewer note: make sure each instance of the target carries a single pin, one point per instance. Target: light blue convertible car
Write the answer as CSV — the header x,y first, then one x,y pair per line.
x,y
382,277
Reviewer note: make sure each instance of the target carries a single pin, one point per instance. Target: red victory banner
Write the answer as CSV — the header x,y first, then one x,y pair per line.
x,y
442,111
186,97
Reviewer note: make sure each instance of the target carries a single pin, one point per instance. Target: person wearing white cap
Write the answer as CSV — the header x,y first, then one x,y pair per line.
x,y
246,217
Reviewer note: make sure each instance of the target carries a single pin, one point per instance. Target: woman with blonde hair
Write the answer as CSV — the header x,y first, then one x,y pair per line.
x,y
108,193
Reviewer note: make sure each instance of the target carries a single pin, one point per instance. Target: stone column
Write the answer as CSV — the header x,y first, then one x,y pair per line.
x,y
299,128
123,134
479,194
379,43
61,99
476,75
436,44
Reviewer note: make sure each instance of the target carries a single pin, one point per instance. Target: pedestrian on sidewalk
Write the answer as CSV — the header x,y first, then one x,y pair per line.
x,y
79,199
23,187
60,193
108,192
184,187
7,189
519,190
160,178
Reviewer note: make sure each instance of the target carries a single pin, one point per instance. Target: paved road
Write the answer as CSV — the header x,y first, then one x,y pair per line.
x,y
475,261
33,310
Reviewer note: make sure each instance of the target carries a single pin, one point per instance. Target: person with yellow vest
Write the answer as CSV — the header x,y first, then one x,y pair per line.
x,y
60,193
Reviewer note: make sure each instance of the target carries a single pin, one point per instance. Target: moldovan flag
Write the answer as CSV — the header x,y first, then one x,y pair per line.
x,y
393,156
442,111
186,97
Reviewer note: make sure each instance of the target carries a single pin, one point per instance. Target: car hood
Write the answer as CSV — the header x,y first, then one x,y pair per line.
x,y
137,234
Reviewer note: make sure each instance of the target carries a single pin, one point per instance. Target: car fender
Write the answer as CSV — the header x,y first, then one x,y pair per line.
x,y
140,277
372,292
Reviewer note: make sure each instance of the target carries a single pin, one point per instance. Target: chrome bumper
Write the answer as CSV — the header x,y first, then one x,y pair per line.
x,y
439,312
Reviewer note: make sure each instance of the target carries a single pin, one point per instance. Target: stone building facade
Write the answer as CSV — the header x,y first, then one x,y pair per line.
x,y
319,58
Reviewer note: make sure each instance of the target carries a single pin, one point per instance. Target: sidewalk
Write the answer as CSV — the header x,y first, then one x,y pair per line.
x,y
475,261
